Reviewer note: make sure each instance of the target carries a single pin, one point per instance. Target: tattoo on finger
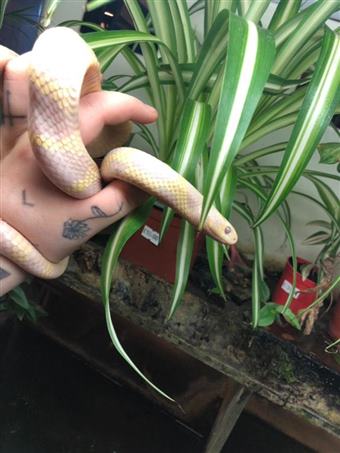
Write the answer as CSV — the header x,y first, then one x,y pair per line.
x,y
74,229
6,106
3,273
24,200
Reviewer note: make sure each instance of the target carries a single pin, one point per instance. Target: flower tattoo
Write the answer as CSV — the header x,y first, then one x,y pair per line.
x,y
78,229
75,229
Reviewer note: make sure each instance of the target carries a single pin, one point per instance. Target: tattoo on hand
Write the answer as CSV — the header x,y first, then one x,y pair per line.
x,y
9,115
24,199
3,273
78,229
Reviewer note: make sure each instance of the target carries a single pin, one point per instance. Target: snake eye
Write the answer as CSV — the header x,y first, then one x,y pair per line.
x,y
227,230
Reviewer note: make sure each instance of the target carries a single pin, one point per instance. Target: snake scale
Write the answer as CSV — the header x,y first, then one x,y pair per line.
x,y
63,69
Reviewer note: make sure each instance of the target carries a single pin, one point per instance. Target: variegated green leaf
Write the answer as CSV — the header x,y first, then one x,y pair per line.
x,y
104,39
278,85
256,10
323,296
329,153
320,223
213,50
243,6
250,55
208,16
329,213
271,169
184,42
194,126
163,23
125,229
49,9
196,7
282,107
255,293
188,31
3,6
274,85
107,55
151,65
300,36
260,292
215,251
318,106
184,252
262,195
94,4
149,138
317,238
215,255
121,234
257,154
329,198
285,10
287,29
275,125
80,23
305,63
121,351
220,5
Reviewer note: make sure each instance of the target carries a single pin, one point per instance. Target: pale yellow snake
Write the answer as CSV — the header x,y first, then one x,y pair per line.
x,y
63,68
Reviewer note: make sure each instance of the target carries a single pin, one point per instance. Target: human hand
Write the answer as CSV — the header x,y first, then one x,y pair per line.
x,y
54,222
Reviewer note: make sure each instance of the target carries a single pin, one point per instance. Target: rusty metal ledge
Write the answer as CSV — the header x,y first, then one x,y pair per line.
x,y
219,336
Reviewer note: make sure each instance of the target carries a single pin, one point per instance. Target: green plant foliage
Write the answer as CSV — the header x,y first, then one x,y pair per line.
x,y
3,6
271,312
249,57
94,4
16,302
316,112
124,230
185,248
192,139
329,153
216,251
219,94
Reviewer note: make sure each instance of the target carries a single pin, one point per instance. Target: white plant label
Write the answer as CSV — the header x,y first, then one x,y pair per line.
x,y
288,287
151,235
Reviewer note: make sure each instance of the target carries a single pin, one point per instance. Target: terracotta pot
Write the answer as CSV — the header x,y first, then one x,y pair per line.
x,y
305,294
160,259
334,323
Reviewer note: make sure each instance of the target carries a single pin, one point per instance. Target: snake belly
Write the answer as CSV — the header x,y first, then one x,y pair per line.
x,y
62,70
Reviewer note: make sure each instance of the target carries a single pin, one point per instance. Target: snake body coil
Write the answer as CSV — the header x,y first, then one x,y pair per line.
x,y
63,69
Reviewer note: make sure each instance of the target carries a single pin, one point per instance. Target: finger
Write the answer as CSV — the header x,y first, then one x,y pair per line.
x,y
10,275
58,224
14,98
5,55
111,108
94,214
120,107
15,79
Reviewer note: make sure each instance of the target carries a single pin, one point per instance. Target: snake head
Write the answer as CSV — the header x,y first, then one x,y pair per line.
x,y
219,228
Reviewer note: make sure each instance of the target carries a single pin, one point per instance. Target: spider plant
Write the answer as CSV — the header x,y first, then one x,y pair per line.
x,y
217,97
327,234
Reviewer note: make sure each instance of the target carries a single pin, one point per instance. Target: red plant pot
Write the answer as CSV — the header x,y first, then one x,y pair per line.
x,y
305,293
334,323
160,259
